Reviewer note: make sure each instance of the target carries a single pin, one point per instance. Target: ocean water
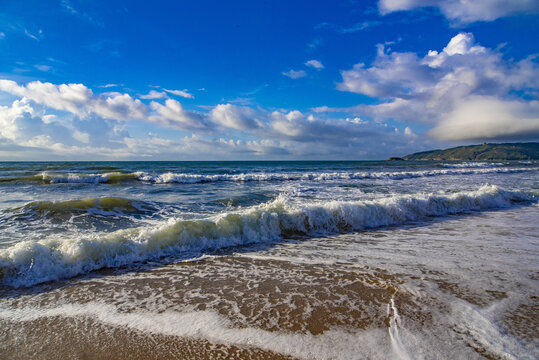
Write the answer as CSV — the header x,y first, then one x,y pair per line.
x,y
269,260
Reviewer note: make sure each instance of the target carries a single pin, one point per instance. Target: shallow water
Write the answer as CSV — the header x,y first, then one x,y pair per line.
x,y
312,260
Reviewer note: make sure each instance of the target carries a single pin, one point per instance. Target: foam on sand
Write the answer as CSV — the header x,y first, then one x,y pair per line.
x,y
208,325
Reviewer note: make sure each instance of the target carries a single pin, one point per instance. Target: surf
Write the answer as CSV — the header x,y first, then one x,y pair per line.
x,y
31,262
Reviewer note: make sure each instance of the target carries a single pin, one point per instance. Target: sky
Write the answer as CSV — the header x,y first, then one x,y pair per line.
x,y
264,80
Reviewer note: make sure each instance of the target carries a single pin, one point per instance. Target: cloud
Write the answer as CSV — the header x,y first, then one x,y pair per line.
x,y
31,36
110,85
428,89
78,99
293,74
235,117
2,35
43,67
93,126
69,8
298,127
315,64
172,114
28,126
154,95
483,117
183,93
465,12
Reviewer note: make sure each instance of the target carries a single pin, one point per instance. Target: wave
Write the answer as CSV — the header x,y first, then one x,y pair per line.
x,y
48,178
31,262
169,177
101,206
185,178
472,165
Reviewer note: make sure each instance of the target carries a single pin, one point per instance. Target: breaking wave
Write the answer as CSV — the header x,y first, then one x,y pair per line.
x,y
398,175
473,165
31,262
186,178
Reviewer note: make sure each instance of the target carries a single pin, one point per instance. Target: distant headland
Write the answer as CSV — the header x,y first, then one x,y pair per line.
x,y
507,151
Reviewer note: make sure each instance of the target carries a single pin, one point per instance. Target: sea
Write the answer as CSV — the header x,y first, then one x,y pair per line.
x,y
269,260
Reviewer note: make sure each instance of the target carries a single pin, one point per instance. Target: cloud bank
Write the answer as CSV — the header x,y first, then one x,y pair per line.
x,y
465,91
70,121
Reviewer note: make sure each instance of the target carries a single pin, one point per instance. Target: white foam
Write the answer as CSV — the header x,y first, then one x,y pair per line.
x,y
207,325
394,323
484,332
182,178
186,178
30,262
472,165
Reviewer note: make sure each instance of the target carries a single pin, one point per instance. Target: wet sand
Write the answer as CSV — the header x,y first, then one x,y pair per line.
x,y
294,300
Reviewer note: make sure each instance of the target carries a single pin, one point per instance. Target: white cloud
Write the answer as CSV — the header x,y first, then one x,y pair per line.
x,y
315,64
483,117
234,117
293,74
409,132
428,89
183,93
2,35
28,126
464,12
78,99
94,128
172,114
154,95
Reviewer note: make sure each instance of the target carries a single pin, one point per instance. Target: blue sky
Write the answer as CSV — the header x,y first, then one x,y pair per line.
x,y
248,80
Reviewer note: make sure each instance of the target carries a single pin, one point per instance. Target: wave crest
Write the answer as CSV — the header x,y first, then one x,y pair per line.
x,y
187,178
103,206
32,262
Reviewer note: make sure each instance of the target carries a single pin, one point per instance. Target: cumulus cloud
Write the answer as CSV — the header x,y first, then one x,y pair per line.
x,y
293,74
430,88
315,64
464,12
235,117
84,125
172,114
30,127
78,99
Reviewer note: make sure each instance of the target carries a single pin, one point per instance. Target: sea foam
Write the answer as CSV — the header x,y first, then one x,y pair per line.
x,y
188,178
472,165
31,262
183,178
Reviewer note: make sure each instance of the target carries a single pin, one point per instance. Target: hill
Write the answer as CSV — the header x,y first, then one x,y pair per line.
x,y
508,151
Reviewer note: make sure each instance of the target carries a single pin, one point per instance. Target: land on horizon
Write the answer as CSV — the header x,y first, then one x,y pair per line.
x,y
505,151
